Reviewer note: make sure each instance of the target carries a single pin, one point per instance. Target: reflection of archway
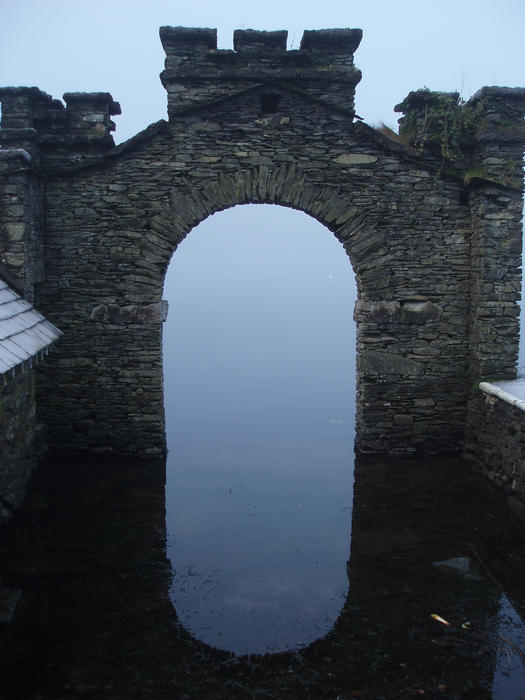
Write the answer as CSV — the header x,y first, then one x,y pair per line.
x,y
384,641
259,356
415,552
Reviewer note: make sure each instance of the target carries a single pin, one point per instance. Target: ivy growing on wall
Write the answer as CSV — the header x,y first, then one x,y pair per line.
x,y
441,122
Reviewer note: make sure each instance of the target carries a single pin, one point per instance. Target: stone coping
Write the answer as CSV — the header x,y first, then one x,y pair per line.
x,y
512,391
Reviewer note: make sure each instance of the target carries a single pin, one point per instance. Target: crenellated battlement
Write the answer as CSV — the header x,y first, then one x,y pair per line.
x,y
196,72
483,137
33,120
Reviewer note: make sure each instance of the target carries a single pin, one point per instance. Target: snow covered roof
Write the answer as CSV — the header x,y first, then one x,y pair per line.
x,y
25,335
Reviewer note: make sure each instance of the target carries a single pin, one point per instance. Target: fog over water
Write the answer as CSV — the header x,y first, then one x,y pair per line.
x,y
259,352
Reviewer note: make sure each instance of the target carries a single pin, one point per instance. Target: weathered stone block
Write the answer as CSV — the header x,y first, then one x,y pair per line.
x,y
379,363
404,420
355,159
131,313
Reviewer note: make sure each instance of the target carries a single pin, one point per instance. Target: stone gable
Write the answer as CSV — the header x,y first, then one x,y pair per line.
x,y
435,249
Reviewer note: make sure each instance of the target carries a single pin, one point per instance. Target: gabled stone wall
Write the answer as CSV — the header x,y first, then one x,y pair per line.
x,y
436,253
139,204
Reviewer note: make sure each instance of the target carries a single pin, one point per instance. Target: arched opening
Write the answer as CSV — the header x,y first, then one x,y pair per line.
x,y
259,366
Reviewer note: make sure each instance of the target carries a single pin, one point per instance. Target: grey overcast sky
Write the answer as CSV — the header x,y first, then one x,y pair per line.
x,y
69,45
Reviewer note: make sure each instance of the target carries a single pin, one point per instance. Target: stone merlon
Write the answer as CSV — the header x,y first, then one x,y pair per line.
x,y
96,101
332,40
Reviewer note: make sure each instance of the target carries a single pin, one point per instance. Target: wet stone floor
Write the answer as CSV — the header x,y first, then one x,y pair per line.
x,y
430,545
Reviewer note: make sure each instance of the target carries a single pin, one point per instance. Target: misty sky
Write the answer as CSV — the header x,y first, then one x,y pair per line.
x,y
260,330
68,45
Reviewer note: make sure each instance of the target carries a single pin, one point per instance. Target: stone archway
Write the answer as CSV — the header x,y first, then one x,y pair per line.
x,y
436,257
112,357
189,207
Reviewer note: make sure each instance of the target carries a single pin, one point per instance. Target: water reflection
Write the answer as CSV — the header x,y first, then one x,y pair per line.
x,y
509,676
95,619
88,554
259,542
419,550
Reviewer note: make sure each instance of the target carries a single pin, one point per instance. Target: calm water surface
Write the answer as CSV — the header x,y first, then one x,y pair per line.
x,y
259,543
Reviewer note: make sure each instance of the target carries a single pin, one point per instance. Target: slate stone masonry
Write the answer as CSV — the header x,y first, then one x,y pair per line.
x,y
436,254
495,442
22,440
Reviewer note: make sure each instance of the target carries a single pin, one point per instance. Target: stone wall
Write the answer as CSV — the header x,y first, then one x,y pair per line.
x,y
412,270
436,254
495,442
21,222
22,267
22,440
